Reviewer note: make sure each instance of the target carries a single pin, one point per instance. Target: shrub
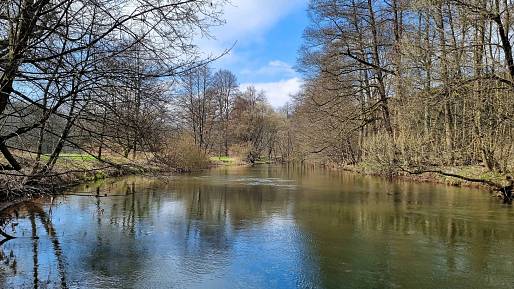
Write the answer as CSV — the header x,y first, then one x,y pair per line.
x,y
380,152
182,154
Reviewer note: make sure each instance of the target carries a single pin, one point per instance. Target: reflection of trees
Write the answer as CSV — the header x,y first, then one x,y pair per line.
x,y
117,247
362,232
205,226
116,242
235,204
215,213
50,231
31,210
34,250
383,236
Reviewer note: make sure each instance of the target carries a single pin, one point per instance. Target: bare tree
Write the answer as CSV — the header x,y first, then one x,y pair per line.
x,y
225,88
73,71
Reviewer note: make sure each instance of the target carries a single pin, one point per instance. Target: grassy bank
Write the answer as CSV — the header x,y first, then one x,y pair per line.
x,y
75,168
223,160
70,169
472,172
227,161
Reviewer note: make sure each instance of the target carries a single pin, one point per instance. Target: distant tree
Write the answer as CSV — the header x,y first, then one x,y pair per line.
x,y
255,124
196,104
225,90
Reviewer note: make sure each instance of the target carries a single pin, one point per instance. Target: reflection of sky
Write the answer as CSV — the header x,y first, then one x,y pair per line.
x,y
158,242
277,251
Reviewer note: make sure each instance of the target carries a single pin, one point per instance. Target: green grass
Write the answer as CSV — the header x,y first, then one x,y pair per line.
x,y
71,156
223,159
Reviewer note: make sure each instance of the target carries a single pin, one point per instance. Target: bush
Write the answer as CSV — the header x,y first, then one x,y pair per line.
x,y
182,154
379,151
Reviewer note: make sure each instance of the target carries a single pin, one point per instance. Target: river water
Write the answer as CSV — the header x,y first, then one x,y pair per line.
x,y
261,227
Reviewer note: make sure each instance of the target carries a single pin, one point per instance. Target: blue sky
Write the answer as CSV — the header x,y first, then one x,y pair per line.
x,y
268,34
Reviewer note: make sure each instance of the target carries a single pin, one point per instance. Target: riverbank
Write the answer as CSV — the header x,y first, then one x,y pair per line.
x,y
226,161
75,169
475,172
68,171
471,172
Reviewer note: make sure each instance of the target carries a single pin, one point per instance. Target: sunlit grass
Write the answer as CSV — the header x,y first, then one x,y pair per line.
x,y
223,159
71,156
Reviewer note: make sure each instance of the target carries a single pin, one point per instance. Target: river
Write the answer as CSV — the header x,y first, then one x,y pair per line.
x,y
260,227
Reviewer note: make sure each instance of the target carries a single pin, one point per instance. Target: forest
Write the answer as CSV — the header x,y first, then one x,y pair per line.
x,y
92,88
409,84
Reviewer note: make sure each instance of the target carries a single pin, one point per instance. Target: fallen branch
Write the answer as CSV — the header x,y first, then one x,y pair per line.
x,y
474,180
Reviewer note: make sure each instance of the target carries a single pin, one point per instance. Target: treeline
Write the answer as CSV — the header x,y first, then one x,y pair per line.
x,y
221,119
406,83
398,84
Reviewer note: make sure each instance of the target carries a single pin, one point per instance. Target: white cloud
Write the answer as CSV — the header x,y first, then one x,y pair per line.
x,y
272,69
246,22
278,93
251,16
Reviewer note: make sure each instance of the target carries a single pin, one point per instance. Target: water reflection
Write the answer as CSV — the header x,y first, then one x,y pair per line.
x,y
31,212
266,227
